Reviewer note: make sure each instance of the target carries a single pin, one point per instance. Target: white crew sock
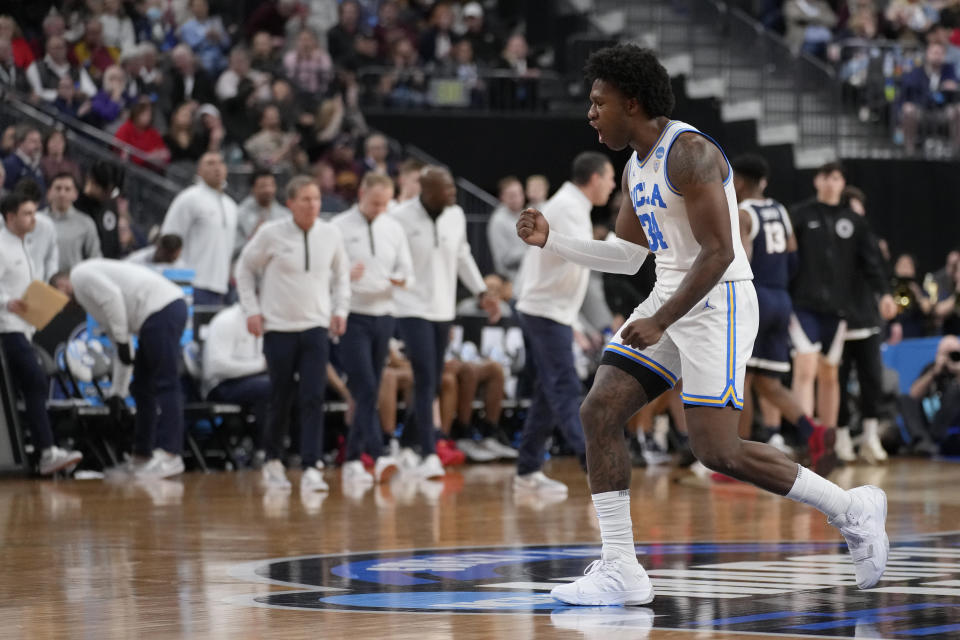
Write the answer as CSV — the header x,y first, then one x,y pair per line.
x,y
818,492
871,428
616,528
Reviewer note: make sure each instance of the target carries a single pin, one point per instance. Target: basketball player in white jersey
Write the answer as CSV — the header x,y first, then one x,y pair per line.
x,y
699,323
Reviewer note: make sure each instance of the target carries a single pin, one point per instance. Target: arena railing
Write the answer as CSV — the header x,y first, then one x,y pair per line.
x,y
148,192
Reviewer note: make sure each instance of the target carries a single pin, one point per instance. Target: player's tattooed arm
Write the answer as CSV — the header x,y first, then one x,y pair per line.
x,y
697,169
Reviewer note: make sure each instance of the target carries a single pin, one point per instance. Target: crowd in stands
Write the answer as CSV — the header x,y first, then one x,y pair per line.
x,y
279,87
897,59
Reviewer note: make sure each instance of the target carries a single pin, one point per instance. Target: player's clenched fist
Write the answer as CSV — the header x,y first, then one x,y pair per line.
x,y
642,333
533,228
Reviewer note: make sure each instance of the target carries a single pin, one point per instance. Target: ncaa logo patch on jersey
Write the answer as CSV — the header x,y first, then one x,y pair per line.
x,y
844,228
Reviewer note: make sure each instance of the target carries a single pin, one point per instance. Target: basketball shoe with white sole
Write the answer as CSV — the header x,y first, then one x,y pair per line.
x,y
606,582
863,527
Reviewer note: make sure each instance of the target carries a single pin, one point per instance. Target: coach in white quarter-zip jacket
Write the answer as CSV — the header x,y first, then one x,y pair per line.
x,y
206,218
436,229
550,292
17,271
381,262
304,296
129,300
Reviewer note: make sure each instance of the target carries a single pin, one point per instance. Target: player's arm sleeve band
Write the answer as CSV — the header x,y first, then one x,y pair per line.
x,y
609,256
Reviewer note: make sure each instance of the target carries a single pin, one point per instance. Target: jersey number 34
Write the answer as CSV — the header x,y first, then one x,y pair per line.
x,y
649,223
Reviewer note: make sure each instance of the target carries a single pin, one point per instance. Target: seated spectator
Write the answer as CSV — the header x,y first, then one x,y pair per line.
x,y
131,61
461,65
404,84
537,190
275,20
229,81
909,20
271,146
520,91
8,142
933,404
809,25
263,54
10,74
234,367
458,390
484,41
24,162
69,102
183,141
376,156
259,207
437,40
326,177
139,133
92,54
207,37
366,52
45,75
928,95
185,81
317,133
389,29
151,23
10,30
346,168
284,98
117,26
109,107
151,76
307,65
340,36
506,247
165,254
77,238
55,160
913,305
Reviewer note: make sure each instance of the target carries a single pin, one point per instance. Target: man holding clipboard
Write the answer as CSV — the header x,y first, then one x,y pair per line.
x,y
17,272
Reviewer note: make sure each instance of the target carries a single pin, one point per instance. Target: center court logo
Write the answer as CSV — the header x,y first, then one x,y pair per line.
x,y
791,589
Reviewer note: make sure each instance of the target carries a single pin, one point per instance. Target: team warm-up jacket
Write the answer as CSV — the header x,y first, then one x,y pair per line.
x,y
304,275
382,247
440,254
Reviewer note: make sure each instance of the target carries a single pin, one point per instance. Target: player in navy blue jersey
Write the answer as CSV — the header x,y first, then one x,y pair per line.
x,y
769,241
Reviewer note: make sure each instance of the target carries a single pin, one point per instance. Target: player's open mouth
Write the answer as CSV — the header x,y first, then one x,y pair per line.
x,y
599,133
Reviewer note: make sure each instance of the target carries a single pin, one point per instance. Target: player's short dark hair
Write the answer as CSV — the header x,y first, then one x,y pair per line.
x,y
167,245
830,167
636,73
260,172
28,188
103,175
585,165
752,167
64,175
11,203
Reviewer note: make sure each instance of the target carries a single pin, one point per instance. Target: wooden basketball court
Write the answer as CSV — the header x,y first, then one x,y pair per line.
x,y
198,557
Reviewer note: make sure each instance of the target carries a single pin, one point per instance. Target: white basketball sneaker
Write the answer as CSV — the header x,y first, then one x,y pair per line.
x,y
538,482
161,465
608,581
844,446
353,473
871,450
312,480
54,459
431,468
863,527
274,476
407,459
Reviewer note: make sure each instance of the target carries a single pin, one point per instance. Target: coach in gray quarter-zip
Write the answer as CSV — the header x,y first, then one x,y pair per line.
x,y
380,255
304,295
17,271
436,229
206,218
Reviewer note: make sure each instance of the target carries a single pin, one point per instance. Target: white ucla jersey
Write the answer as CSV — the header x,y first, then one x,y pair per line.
x,y
663,213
